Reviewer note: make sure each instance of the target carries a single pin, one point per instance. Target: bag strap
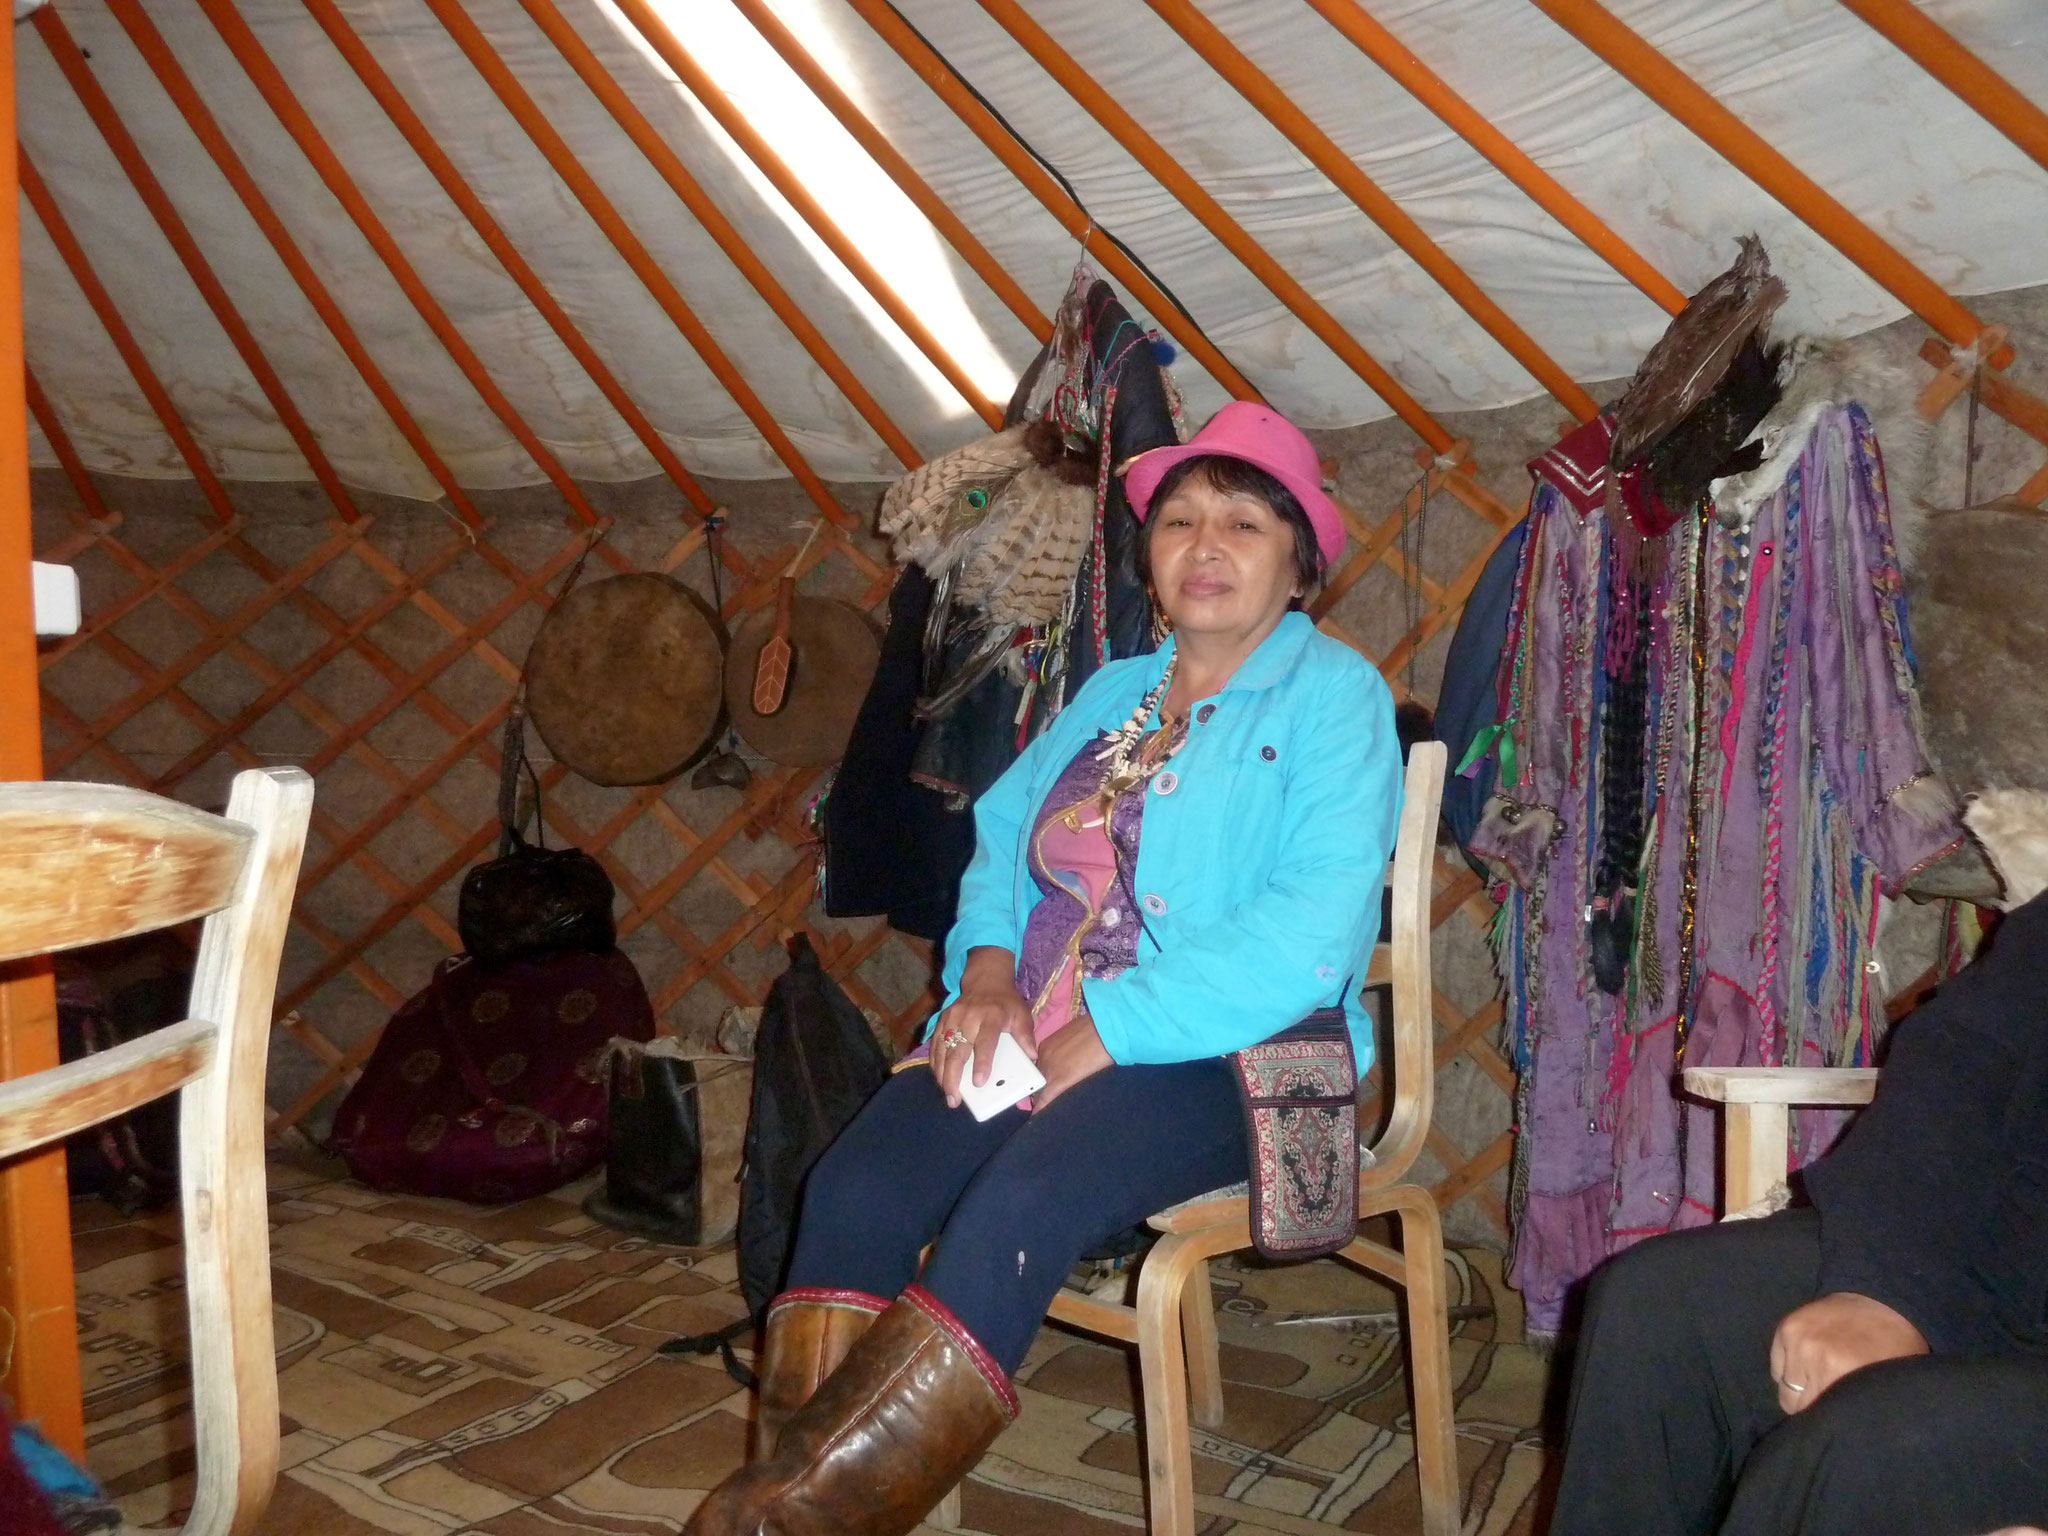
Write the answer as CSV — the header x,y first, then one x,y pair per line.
x,y
512,757
721,1340
512,747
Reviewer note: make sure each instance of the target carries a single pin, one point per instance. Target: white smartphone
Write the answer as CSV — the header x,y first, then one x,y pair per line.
x,y
1011,1076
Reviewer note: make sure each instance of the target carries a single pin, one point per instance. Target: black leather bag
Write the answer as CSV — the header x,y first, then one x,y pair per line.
x,y
532,899
535,900
654,1153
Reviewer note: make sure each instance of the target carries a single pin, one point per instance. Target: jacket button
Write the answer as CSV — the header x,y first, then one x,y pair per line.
x,y
1268,753
1111,917
1155,904
1202,715
1166,783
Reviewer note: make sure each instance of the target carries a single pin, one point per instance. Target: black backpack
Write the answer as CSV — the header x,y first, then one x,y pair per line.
x,y
815,1064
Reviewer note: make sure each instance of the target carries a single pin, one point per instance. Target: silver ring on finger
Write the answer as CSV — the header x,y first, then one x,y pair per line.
x,y
952,1038
1792,1386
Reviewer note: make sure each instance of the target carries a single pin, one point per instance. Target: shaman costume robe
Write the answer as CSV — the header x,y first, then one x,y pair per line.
x,y
1783,789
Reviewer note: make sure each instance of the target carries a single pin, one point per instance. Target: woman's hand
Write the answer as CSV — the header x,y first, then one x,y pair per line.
x,y
988,1008
1818,1344
1070,1053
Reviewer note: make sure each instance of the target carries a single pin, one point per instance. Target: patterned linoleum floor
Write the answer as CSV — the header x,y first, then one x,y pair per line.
x,y
448,1368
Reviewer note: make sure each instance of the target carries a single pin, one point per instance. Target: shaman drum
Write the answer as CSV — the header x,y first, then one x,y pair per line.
x,y
622,681
833,654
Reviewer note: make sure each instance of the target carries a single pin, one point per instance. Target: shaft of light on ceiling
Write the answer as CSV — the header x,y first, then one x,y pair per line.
x,y
857,193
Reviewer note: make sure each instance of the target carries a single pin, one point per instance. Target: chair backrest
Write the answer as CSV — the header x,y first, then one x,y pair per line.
x,y
83,863
1404,960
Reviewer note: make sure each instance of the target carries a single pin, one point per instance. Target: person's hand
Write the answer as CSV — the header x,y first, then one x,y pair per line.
x,y
1070,1053
1823,1341
989,1007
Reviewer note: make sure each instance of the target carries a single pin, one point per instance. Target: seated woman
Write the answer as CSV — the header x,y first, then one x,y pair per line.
x,y
1876,1364
1186,862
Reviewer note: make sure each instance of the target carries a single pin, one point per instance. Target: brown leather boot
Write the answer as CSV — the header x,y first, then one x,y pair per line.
x,y
808,1333
905,1417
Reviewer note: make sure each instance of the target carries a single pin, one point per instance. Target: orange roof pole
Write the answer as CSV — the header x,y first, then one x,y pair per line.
x,y
883,153
1252,83
157,54
1146,150
89,500
913,50
599,207
1986,92
700,84
415,133
62,236
242,43
58,40
36,1285
1416,78
1677,93
737,251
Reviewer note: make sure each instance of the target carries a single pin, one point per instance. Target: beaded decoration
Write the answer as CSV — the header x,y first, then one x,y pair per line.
x,y
1123,774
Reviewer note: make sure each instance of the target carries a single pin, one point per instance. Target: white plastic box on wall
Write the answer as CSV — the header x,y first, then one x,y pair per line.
x,y
56,598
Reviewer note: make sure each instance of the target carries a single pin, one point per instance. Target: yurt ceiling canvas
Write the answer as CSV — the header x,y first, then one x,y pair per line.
x,y
1130,105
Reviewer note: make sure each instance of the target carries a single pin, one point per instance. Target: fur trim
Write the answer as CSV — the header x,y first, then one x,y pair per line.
x,y
1927,799
2012,824
1821,371
1777,1198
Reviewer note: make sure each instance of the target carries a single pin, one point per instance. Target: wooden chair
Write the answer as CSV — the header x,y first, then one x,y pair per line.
x,y
83,863
1757,1106
1174,1324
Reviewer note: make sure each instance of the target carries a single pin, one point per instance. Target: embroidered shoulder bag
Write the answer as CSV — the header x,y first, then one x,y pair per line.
x,y
1300,1095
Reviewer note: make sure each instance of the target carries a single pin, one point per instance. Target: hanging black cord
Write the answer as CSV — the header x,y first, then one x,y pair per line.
x,y
1057,175
714,548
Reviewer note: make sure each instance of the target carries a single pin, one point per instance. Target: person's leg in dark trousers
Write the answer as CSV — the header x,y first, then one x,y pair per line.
x,y
1671,1385
1926,1446
880,1193
1110,1151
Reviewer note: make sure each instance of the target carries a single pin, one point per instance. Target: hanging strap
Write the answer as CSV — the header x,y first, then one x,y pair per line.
x,y
512,746
720,1340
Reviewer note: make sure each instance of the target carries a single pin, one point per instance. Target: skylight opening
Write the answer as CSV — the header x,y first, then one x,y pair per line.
x,y
855,193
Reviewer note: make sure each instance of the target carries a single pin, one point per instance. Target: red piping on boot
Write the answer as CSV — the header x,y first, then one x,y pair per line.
x,y
997,1378
821,1296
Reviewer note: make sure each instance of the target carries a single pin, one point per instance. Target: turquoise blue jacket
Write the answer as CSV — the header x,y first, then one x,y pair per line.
x,y
1264,850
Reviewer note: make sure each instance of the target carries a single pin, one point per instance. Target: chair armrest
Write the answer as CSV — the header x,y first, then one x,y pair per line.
x,y
1758,1120
1782,1085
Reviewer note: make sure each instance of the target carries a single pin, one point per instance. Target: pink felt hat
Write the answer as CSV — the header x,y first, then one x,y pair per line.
x,y
1260,436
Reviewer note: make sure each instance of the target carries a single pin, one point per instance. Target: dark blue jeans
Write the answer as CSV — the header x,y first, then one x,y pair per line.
x,y
1014,1201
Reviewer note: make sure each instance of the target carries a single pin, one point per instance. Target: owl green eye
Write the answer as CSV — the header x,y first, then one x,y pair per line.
x,y
977,498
